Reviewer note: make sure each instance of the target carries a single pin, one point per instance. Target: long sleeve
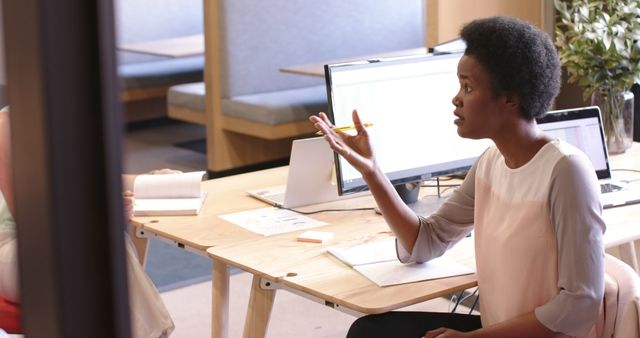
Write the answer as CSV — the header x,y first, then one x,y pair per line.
x,y
441,230
576,216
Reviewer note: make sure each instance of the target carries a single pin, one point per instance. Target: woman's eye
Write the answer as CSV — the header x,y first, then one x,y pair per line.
x,y
466,88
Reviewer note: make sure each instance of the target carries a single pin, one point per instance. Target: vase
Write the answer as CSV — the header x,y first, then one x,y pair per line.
x,y
616,108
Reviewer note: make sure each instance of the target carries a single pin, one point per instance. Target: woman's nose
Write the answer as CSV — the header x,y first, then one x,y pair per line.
x,y
456,101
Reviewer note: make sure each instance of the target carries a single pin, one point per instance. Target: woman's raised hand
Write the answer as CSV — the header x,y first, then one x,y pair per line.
x,y
356,149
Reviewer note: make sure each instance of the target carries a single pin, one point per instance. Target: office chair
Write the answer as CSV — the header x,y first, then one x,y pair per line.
x,y
10,316
622,300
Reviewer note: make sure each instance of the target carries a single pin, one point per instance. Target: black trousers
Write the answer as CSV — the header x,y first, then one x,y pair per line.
x,y
410,324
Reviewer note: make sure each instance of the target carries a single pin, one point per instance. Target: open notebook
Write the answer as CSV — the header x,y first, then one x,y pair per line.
x,y
169,195
582,128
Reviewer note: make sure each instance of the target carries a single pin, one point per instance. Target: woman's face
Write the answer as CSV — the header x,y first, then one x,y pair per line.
x,y
477,107
6,185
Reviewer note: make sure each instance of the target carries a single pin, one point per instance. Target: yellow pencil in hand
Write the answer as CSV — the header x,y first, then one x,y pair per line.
x,y
345,128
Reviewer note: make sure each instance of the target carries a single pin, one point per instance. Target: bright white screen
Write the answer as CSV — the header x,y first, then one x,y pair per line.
x,y
584,134
409,103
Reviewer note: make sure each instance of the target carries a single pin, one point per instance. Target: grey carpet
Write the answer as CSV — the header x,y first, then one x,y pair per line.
x,y
199,146
170,267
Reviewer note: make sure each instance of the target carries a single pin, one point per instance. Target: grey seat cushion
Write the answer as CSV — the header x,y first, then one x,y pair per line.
x,y
271,108
161,72
278,107
189,95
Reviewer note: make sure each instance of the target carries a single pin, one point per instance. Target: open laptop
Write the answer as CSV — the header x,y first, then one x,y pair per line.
x,y
582,128
311,177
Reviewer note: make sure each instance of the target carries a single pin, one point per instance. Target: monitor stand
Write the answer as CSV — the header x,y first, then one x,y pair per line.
x,y
422,206
427,205
408,191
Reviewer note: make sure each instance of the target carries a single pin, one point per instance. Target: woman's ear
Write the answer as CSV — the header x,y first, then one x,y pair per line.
x,y
512,102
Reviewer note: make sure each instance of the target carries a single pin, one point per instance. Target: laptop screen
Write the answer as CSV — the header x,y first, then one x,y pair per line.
x,y
582,128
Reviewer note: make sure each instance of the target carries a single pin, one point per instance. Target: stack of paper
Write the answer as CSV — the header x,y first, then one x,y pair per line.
x,y
377,260
377,251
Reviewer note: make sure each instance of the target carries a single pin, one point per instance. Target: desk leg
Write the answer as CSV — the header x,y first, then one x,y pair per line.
x,y
628,254
140,243
259,310
220,301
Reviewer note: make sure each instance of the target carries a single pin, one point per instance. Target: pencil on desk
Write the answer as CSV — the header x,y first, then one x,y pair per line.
x,y
345,128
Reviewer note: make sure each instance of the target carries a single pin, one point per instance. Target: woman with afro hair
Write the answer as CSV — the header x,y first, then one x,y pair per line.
x,y
531,200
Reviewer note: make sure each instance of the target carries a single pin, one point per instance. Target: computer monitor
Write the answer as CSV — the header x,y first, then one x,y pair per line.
x,y
408,101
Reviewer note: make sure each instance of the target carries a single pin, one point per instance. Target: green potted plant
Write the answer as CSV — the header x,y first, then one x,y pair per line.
x,y
599,45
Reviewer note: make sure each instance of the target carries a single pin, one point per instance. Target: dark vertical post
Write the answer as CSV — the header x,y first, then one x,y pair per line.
x,y
66,132
635,89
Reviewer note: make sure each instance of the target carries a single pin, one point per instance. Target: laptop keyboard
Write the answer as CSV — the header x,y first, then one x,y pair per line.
x,y
278,198
608,187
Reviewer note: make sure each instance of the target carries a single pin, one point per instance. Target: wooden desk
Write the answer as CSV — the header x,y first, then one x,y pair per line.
x,y
623,223
317,69
279,262
305,268
225,195
208,231
175,47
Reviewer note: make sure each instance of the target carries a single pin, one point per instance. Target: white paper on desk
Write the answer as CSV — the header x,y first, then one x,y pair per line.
x,y
380,250
394,272
272,221
377,260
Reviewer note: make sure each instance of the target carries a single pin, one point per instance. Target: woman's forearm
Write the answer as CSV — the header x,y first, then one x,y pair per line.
x,y
400,218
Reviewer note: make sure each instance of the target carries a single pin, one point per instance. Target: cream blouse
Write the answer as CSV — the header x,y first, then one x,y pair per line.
x,y
538,237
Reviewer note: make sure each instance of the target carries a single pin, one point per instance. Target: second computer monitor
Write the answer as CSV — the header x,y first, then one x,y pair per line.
x,y
408,102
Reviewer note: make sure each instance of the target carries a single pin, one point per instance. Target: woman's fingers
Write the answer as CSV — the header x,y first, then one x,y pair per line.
x,y
320,123
338,147
321,118
356,118
326,120
358,123
326,130
335,138
314,119
331,126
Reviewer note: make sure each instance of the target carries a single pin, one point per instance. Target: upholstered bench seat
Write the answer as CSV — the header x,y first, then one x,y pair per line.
x,y
278,107
161,72
189,95
151,79
269,115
